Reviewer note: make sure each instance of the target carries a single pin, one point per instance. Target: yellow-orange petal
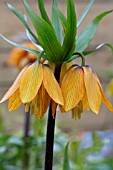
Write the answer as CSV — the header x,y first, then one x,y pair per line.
x,y
27,106
62,109
64,68
14,101
85,102
92,90
51,85
15,86
73,88
31,82
53,108
104,99
37,107
62,72
44,98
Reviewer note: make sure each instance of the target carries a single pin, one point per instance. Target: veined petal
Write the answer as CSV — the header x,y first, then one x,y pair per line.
x,y
44,98
73,88
31,82
14,101
85,102
14,87
38,107
51,85
64,68
92,90
62,72
104,99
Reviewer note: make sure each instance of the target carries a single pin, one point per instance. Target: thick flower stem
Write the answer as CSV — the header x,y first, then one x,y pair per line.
x,y
50,131
26,145
26,124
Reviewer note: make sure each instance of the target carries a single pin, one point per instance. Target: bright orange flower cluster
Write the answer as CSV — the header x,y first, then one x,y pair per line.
x,y
20,58
79,88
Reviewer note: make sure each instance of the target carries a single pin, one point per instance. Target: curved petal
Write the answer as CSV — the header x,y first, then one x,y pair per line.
x,y
104,99
92,90
44,98
62,72
15,86
73,88
31,82
51,85
85,102
14,101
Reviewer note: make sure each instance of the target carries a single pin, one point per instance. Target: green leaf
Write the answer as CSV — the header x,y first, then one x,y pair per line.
x,y
88,33
98,48
85,12
22,47
56,21
70,35
43,12
46,35
21,17
62,18
85,53
66,165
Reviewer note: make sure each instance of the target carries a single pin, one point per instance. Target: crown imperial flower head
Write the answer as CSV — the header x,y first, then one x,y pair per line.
x,y
35,87
82,88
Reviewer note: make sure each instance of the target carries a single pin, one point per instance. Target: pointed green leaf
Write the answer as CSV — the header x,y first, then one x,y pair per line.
x,y
66,165
85,12
98,47
62,18
22,47
85,53
88,33
70,35
21,17
46,34
43,12
56,21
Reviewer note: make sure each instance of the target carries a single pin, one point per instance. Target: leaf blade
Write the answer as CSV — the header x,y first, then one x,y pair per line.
x,y
85,12
43,12
46,35
69,39
21,17
66,165
56,21
89,32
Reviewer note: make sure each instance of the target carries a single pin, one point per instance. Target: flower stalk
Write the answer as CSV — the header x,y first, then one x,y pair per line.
x,y
50,130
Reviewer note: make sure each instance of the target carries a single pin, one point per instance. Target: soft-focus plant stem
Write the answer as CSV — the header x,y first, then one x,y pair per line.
x,y
26,142
50,130
26,124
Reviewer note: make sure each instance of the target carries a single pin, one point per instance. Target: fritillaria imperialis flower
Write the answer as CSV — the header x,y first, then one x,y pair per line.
x,y
35,87
81,89
20,58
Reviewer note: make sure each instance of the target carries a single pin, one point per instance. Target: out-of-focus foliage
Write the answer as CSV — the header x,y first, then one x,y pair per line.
x,y
88,151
